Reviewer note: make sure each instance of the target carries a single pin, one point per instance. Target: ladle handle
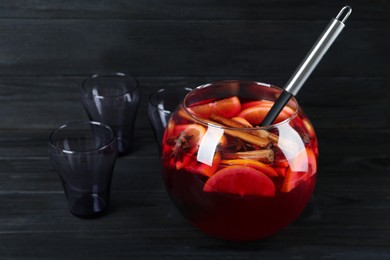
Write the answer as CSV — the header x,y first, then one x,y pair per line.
x,y
309,63
318,50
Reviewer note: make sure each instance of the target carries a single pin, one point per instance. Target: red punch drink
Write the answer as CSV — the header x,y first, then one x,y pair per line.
x,y
230,178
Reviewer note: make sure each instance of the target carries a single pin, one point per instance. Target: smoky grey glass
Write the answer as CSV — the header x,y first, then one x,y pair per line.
x,y
113,99
84,156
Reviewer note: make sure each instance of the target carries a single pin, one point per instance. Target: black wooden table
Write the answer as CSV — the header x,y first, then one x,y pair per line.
x,y
49,47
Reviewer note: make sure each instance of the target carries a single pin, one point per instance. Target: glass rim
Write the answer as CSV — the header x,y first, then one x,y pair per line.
x,y
167,112
201,120
74,123
114,75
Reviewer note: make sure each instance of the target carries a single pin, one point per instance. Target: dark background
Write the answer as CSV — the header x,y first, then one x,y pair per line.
x,y
48,47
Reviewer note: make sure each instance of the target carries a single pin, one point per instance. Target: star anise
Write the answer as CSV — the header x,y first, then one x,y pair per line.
x,y
171,141
181,147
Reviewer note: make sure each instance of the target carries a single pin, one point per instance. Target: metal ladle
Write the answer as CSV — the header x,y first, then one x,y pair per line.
x,y
308,64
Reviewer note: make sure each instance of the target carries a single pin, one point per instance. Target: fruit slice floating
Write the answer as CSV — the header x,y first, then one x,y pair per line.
x,y
185,143
256,103
293,178
312,161
265,103
200,168
227,107
256,114
222,142
280,164
240,180
181,161
281,171
264,168
308,157
241,121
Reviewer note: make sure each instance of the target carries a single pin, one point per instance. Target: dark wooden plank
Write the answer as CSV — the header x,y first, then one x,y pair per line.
x,y
29,175
179,247
33,143
245,48
183,10
153,233
347,217
47,102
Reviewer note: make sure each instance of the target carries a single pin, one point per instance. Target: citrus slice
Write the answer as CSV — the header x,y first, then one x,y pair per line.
x,y
264,168
186,143
281,163
222,142
256,103
256,114
181,162
204,169
241,121
202,110
293,178
227,107
280,166
240,180
312,161
265,103
305,160
281,171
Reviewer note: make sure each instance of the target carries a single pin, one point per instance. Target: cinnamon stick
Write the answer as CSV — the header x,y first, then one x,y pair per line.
x,y
226,121
265,134
256,140
231,123
265,155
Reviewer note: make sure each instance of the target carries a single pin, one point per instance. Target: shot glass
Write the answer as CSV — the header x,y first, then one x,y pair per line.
x,y
84,155
162,103
113,99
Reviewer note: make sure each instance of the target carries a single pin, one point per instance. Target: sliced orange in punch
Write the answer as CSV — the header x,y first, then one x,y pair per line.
x,y
264,168
256,103
240,180
227,107
302,172
187,140
256,114
204,169
241,121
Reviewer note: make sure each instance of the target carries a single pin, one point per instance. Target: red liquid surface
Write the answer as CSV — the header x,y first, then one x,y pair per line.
x,y
230,215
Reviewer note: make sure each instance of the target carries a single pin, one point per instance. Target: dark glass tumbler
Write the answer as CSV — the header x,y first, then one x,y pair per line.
x,y
114,100
84,155
162,103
